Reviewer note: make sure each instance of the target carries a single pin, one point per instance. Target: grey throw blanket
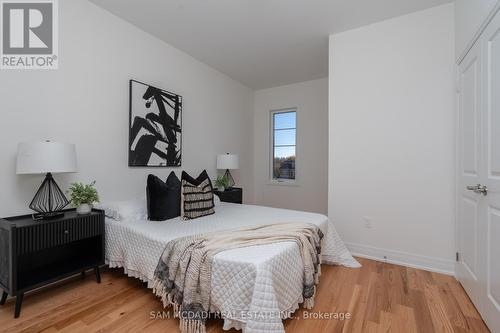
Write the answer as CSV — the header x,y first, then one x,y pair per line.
x,y
183,275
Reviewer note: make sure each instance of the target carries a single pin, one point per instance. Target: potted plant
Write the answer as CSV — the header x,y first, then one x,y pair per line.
x,y
83,197
222,182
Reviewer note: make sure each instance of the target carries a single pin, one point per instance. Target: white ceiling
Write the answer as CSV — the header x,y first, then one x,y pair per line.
x,y
260,43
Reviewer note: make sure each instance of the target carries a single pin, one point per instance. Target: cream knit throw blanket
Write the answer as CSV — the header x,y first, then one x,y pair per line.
x,y
183,275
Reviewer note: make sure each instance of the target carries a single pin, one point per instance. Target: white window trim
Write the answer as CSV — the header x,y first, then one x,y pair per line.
x,y
282,182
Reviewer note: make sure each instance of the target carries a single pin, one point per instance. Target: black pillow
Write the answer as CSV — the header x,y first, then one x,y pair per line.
x,y
197,198
163,198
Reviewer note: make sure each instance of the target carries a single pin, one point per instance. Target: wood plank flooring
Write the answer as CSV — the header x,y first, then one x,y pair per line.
x,y
379,297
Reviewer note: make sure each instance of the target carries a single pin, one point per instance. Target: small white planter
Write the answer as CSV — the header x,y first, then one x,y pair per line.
x,y
84,209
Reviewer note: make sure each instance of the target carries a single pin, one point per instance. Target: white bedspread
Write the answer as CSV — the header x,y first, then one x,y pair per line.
x,y
250,286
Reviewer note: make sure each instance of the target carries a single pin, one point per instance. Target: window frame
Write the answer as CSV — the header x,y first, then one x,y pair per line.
x,y
281,181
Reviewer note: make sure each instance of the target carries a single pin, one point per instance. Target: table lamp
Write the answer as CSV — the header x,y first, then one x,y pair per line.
x,y
228,162
46,158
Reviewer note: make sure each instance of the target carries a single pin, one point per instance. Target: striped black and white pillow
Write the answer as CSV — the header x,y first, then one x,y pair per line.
x,y
197,198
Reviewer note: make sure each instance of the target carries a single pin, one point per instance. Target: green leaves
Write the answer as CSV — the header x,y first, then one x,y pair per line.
x,y
222,181
83,194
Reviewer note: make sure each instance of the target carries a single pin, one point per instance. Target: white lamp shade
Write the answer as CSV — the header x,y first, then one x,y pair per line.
x,y
45,157
228,161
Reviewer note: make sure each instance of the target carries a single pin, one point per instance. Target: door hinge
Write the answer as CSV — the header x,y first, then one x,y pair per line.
x,y
457,257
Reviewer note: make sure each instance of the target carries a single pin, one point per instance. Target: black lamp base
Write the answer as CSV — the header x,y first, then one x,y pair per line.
x,y
230,178
49,200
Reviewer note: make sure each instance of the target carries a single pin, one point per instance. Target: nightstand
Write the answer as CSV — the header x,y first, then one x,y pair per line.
x,y
34,253
233,195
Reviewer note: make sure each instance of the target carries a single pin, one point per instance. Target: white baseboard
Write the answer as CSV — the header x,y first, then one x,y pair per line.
x,y
437,265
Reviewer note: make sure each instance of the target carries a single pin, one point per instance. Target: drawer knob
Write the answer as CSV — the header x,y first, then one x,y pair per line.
x,y
66,232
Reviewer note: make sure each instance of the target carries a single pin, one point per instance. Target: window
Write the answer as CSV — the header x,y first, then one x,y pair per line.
x,y
283,145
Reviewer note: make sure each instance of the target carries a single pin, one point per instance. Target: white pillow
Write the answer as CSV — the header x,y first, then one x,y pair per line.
x,y
216,200
123,210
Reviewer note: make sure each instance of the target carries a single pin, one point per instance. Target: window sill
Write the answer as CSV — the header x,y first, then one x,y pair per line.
x,y
283,183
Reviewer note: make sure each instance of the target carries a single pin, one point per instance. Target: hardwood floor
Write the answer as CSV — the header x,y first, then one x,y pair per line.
x,y
380,298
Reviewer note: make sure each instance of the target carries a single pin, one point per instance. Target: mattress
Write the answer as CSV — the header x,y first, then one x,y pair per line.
x,y
253,287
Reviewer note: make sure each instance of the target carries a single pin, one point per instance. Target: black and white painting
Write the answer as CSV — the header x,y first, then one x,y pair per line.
x,y
155,126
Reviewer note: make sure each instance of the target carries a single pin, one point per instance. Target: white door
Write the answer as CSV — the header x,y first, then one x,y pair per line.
x,y
490,236
469,211
478,229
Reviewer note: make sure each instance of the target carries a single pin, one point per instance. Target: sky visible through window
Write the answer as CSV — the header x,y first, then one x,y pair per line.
x,y
284,137
284,134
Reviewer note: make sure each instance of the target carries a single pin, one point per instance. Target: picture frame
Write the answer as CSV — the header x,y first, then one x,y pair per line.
x,y
155,126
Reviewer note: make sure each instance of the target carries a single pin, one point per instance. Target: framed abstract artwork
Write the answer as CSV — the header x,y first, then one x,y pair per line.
x,y
155,127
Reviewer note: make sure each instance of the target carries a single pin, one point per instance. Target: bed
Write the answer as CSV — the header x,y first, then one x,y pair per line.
x,y
254,287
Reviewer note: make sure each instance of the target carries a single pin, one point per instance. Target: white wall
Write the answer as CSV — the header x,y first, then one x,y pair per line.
x,y
311,100
392,138
86,102
470,14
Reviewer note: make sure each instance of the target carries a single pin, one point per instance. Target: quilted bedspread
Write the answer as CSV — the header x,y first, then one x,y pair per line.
x,y
252,287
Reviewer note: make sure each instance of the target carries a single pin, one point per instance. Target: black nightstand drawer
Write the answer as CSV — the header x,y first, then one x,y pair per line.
x,y
233,195
46,235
